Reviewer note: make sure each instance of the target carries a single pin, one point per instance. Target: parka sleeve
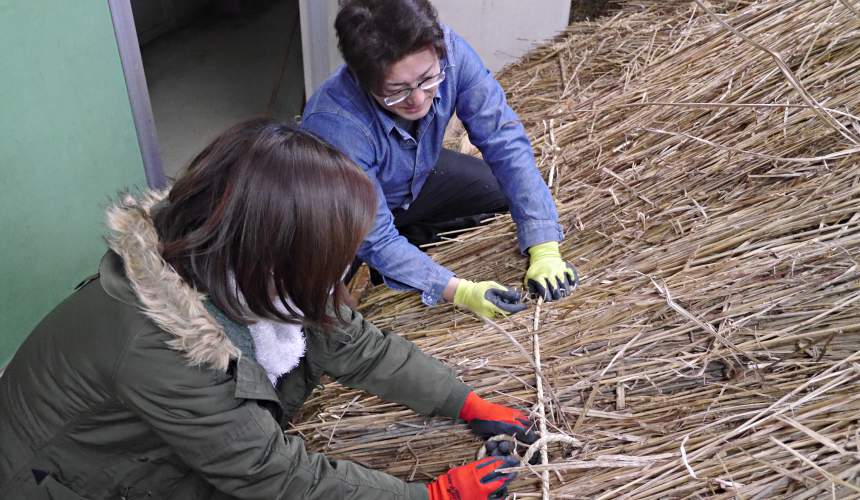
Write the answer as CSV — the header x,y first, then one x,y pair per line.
x,y
361,356
234,443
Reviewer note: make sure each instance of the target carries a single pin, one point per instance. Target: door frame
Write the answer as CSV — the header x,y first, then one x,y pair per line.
x,y
138,93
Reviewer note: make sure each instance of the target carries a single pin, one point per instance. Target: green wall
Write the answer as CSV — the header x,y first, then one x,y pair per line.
x,y
67,144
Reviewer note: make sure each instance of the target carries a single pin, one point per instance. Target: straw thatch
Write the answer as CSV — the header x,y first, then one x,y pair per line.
x,y
705,159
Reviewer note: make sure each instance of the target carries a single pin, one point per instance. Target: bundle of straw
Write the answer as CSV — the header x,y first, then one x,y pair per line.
x,y
705,160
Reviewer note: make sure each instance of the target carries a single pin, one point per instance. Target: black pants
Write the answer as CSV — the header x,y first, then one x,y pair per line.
x,y
460,192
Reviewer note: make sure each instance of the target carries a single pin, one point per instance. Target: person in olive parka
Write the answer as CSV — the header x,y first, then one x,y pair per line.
x,y
217,308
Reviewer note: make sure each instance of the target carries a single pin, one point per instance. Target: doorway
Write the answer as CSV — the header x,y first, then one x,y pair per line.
x,y
210,64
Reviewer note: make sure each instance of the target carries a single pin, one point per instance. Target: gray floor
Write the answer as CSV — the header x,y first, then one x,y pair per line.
x,y
222,70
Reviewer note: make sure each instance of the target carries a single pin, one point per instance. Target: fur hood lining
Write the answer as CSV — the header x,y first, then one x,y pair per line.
x,y
170,302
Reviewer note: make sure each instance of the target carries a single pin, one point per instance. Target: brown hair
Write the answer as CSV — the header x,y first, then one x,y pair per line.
x,y
374,34
275,209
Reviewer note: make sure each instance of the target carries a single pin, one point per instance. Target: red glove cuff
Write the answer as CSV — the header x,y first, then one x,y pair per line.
x,y
473,407
476,407
440,488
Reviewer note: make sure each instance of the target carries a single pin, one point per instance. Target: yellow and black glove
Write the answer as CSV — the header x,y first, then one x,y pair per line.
x,y
487,298
548,275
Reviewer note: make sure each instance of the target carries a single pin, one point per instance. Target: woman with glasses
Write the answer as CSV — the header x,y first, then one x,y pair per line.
x,y
387,109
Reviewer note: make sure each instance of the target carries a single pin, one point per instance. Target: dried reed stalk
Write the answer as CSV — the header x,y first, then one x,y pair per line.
x,y
712,205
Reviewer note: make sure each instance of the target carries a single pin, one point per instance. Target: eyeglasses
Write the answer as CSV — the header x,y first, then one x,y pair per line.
x,y
429,83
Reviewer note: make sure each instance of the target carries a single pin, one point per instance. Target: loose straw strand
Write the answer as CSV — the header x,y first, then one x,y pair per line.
x,y
540,400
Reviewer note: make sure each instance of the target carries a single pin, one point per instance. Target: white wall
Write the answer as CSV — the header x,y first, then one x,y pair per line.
x,y
500,30
319,43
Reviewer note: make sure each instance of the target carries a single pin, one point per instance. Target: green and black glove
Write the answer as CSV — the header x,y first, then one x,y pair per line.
x,y
487,298
549,276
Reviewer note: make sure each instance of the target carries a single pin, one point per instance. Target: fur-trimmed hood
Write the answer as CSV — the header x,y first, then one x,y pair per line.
x,y
169,301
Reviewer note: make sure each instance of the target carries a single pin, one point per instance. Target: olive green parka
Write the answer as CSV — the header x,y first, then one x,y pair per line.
x,y
134,387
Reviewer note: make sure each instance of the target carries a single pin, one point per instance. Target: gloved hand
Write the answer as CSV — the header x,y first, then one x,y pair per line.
x,y
489,419
504,448
487,298
475,481
549,276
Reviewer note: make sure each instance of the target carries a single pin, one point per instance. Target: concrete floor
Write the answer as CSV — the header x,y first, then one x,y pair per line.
x,y
221,70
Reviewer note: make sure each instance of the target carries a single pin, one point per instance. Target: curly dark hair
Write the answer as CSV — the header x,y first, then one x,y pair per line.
x,y
374,34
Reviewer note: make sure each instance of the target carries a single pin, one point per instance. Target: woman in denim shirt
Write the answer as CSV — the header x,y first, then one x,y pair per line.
x,y
387,109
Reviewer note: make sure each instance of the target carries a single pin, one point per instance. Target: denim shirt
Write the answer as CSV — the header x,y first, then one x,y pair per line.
x,y
343,114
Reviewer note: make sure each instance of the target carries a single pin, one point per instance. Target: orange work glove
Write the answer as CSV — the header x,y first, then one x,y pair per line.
x,y
489,419
475,481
